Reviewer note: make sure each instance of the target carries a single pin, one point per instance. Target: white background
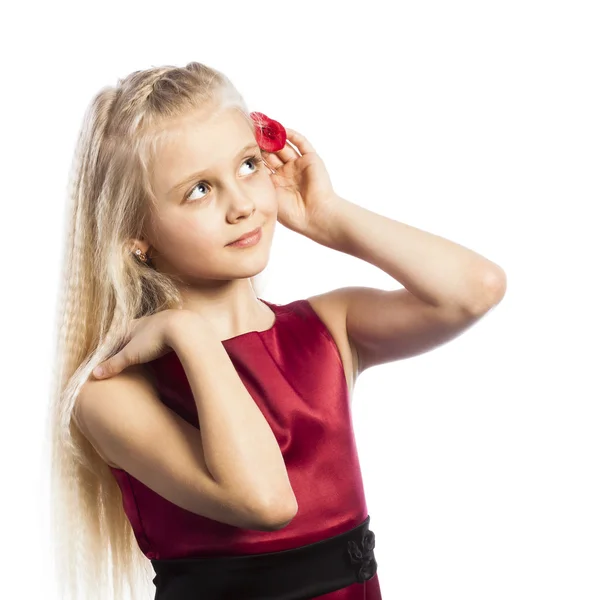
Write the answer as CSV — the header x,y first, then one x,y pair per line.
x,y
477,121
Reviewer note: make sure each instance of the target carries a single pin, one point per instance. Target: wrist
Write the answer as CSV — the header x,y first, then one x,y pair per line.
x,y
183,325
328,229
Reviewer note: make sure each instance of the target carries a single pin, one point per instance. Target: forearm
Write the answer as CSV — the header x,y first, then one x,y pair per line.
x,y
240,449
434,269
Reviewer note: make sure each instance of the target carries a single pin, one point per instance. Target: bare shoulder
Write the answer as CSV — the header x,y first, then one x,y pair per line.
x,y
138,375
135,376
331,307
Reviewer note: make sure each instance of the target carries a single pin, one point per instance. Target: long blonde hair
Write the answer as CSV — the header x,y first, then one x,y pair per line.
x,y
104,287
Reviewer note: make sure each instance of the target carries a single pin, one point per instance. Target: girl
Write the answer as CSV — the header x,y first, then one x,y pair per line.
x,y
218,439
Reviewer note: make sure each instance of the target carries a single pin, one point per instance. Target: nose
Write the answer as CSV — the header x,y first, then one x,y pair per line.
x,y
240,204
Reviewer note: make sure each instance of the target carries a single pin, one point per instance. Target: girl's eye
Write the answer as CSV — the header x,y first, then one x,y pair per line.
x,y
256,161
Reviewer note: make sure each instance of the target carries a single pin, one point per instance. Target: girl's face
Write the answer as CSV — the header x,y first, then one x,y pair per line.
x,y
212,187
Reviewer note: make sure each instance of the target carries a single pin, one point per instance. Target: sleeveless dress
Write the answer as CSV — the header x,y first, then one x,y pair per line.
x,y
294,373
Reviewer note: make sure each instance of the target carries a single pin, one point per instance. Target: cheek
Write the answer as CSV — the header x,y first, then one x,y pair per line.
x,y
267,198
186,237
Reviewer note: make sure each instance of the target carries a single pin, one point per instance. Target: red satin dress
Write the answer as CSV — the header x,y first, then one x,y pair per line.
x,y
294,373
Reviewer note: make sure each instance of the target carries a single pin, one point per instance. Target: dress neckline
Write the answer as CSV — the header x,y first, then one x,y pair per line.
x,y
254,331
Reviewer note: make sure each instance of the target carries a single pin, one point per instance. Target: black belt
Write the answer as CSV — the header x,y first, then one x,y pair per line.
x,y
297,574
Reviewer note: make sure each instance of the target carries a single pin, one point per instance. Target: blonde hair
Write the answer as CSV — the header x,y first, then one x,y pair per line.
x,y
104,287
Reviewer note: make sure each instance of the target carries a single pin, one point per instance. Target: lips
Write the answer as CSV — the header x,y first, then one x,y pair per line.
x,y
246,235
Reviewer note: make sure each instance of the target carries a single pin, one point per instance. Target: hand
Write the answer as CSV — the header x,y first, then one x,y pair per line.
x,y
304,192
148,338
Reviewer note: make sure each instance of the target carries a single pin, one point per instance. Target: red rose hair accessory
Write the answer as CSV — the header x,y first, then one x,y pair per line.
x,y
269,134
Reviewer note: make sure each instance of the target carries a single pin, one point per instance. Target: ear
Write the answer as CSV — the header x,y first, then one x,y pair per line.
x,y
142,244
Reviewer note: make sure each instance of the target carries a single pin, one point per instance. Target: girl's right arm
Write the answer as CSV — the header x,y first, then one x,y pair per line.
x,y
230,470
240,449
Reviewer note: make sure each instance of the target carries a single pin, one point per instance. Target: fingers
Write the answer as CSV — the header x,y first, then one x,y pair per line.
x,y
272,160
288,152
115,364
299,141
100,371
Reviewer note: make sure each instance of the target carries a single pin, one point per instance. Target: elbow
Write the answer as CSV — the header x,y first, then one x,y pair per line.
x,y
277,514
492,290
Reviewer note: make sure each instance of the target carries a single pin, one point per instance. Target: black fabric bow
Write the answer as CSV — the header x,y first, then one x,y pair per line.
x,y
363,556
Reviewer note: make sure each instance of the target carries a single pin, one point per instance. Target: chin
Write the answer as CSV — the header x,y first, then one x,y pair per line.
x,y
251,259
247,273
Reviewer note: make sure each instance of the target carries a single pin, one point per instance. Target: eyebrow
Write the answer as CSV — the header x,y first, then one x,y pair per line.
x,y
194,176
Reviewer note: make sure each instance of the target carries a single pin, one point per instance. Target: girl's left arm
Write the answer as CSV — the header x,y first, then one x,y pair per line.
x,y
447,287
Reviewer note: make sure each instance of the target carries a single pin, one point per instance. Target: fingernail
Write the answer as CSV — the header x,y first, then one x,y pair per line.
x,y
98,371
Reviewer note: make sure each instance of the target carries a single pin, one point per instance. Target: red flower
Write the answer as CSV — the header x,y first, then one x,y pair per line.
x,y
269,134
